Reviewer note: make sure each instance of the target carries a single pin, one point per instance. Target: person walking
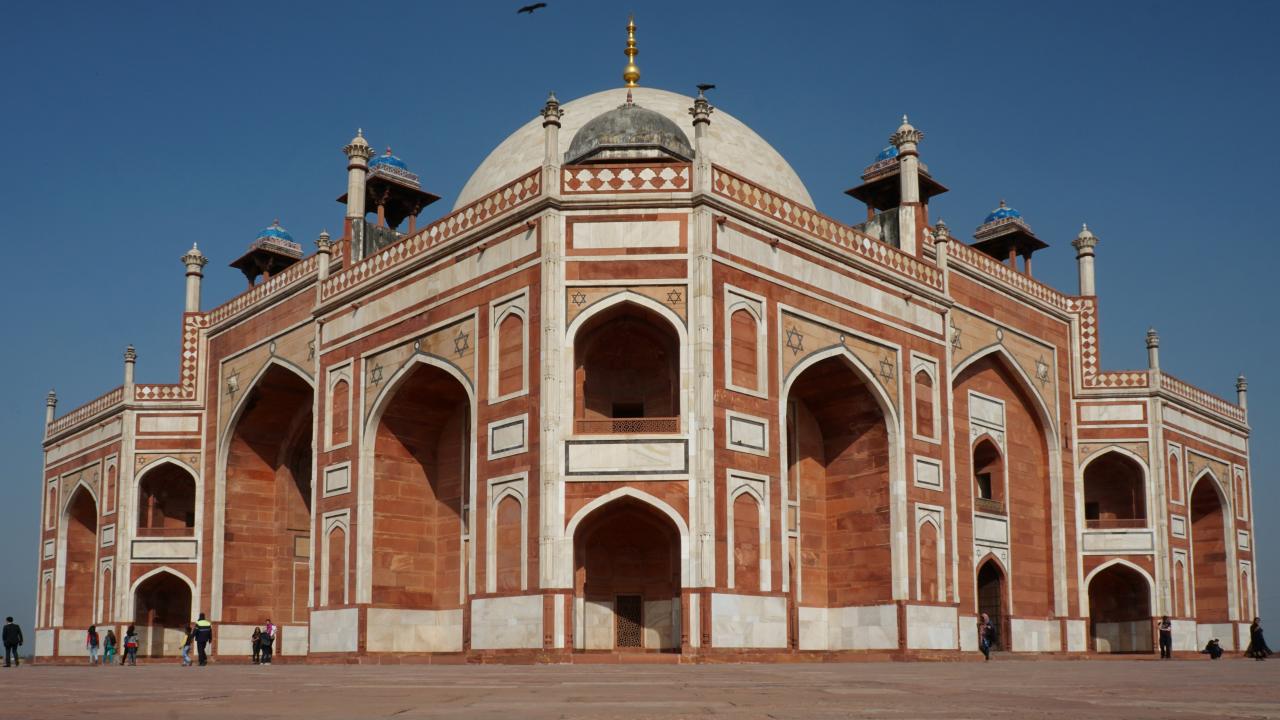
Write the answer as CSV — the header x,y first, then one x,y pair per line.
x,y
12,636
268,642
1166,638
204,636
131,645
92,643
986,633
109,644
187,638
1257,649
257,644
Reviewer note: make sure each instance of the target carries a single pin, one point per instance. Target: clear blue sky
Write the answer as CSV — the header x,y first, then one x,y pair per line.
x,y
135,129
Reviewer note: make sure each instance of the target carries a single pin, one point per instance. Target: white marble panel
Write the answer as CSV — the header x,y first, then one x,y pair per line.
x,y
928,473
931,628
598,625
622,234
165,549
991,530
1178,526
1118,541
747,433
44,643
1185,635
1174,416
968,633
748,621
985,410
1242,539
335,630
1122,637
813,628
48,549
414,630
1118,412
1036,635
293,641
873,627
233,640
1077,636
502,623
508,436
82,441
168,423
337,479
1225,632
660,623
624,457
71,643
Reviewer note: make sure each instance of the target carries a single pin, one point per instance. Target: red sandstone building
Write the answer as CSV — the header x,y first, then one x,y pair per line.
x,y
634,393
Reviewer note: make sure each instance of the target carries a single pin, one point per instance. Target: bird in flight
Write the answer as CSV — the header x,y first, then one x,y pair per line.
x,y
528,9
703,87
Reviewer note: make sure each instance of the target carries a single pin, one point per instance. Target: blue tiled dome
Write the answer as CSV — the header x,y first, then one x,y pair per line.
x,y
889,152
1001,213
275,231
388,159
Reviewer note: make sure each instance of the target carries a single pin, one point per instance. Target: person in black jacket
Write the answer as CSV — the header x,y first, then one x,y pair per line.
x,y
12,641
204,636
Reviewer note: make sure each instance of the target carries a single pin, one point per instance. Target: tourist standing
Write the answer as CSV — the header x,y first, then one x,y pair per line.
x,y
268,642
187,638
204,636
131,645
1166,638
986,632
257,644
12,637
1257,649
109,644
91,643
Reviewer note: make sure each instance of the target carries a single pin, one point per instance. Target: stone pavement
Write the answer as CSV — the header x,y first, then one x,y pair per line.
x,y
1004,688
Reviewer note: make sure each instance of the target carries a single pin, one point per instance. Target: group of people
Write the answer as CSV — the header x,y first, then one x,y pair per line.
x,y
1257,643
108,647
198,635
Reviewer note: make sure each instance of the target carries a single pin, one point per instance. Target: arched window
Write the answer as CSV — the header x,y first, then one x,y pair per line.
x,y
1175,479
744,337
988,477
1114,493
627,376
1242,498
166,501
508,555
1180,606
510,354
746,542
107,593
336,592
339,420
109,491
924,411
927,562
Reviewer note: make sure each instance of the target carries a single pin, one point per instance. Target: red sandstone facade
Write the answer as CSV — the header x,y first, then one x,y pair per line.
x,y
648,402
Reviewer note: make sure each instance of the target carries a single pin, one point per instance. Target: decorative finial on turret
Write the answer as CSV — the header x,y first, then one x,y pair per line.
x,y
323,243
1242,393
631,73
194,257
1085,240
358,147
130,355
552,112
51,400
1153,338
941,233
701,110
906,135
1153,349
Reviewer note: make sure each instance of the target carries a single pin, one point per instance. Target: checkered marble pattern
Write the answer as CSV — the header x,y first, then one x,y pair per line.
x,y
585,179
185,389
248,299
91,409
810,221
493,205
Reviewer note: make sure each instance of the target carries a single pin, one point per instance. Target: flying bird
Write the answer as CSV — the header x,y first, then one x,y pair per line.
x,y
528,9
703,87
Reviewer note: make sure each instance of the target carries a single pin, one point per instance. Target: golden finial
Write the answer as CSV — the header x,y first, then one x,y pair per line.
x,y
631,73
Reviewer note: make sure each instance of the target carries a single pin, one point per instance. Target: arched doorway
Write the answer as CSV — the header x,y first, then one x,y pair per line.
x,y
267,543
81,520
162,609
1209,553
626,373
422,456
1120,610
627,579
991,600
1115,493
166,502
838,470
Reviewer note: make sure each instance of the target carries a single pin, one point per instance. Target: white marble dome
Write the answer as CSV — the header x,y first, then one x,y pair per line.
x,y
732,145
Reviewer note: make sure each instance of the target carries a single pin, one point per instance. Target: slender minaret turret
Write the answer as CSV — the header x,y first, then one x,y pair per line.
x,y
907,140
50,407
551,114
1153,349
358,153
194,261
1084,244
941,246
1242,393
324,254
130,359
701,112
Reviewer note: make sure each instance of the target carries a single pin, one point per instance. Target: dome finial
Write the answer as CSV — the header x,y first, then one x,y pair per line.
x,y
631,73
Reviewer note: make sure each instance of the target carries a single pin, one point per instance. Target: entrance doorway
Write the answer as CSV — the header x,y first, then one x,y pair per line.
x,y
629,621
991,600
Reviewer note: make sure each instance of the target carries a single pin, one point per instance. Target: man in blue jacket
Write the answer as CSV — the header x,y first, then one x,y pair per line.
x,y
204,636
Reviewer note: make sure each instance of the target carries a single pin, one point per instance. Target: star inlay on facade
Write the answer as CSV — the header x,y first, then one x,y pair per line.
x,y
1042,371
955,336
233,383
578,298
886,368
311,350
795,340
461,343
674,297
375,375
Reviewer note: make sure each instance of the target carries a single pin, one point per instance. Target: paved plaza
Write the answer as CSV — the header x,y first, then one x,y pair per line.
x,y
1006,688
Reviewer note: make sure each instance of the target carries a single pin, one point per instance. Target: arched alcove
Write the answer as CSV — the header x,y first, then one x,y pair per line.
x,y
1115,492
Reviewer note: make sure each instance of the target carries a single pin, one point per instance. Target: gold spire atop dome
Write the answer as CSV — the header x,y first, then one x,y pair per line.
x,y
631,73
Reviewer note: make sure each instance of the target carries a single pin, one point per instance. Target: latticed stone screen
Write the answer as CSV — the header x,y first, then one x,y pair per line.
x,y
630,621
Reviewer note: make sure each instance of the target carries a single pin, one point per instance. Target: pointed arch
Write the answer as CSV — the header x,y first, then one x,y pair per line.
x,y
77,559
163,602
1151,583
643,497
133,587
174,503
998,350
368,480
1119,499
228,432
1122,600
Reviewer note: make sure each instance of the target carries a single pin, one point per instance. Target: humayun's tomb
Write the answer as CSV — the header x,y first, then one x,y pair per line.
x,y
633,394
